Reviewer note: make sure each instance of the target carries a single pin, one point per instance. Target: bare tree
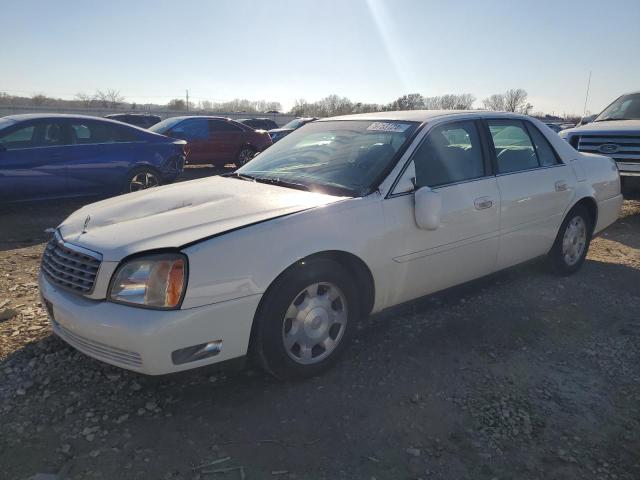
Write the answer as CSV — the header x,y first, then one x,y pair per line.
x,y
412,101
515,100
176,104
494,102
39,99
464,101
110,98
85,98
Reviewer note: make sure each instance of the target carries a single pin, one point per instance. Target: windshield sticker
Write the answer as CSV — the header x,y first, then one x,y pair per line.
x,y
388,127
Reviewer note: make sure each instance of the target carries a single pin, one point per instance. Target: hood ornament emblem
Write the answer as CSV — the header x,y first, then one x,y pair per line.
x,y
86,224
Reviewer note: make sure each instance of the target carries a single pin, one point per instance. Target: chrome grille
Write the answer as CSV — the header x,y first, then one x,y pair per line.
x,y
98,350
622,148
70,266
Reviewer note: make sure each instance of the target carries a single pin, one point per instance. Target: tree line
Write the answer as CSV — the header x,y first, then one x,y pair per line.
x,y
513,100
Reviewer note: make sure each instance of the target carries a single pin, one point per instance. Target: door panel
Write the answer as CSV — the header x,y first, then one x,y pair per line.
x,y
535,190
532,207
225,138
464,247
101,156
33,164
196,132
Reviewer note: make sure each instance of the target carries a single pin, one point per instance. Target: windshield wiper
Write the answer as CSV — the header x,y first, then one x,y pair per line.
x,y
610,120
241,176
282,183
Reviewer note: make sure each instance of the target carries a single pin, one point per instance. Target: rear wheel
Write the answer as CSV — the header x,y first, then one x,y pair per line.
x,y
572,243
306,320
142,178
245,155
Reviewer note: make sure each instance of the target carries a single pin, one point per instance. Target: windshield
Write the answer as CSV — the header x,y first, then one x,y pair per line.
x,y
295,123
165,125
341,156
627,107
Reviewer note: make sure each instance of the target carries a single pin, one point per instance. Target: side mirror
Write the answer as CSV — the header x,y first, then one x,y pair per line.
x,y
428,206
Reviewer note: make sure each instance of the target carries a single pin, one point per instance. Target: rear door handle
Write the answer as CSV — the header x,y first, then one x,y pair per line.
x,y
482,203
561,186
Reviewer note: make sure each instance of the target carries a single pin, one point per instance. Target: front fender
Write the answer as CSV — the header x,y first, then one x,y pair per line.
x,y
246,261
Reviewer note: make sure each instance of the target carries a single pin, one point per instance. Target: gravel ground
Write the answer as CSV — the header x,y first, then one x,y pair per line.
x,y
523,375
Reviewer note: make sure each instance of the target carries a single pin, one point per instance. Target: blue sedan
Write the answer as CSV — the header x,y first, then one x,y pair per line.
x,y
57,156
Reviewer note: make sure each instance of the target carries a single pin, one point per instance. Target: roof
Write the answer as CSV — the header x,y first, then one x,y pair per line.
x,y
421,115
36,116
48,116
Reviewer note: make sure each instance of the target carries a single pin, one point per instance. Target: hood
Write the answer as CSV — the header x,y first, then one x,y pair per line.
x,y
614,126
174,215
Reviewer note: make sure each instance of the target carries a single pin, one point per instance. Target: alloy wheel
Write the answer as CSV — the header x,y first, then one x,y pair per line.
x,y
142,181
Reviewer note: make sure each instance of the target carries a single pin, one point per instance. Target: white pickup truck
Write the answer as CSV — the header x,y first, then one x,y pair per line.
x,y
615,133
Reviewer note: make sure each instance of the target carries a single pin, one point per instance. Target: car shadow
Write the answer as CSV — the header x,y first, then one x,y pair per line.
x,y
24,224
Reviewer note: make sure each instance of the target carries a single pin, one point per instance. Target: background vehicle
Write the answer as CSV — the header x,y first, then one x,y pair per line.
x,y
215,140
259,123
52,156
359,213
138,119
554,126
615,132
278,133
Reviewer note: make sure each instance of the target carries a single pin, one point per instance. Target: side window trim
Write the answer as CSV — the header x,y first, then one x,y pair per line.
x,y
489,169
494,158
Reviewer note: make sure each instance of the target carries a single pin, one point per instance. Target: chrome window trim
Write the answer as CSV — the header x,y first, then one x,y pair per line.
x,y
531,169
461,182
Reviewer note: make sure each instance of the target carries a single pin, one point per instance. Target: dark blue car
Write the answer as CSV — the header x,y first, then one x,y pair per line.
x,y
55,156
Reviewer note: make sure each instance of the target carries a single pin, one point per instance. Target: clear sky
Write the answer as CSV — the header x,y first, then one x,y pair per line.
x,y
280,50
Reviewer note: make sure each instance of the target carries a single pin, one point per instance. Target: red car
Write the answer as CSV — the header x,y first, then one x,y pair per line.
x,y
215,140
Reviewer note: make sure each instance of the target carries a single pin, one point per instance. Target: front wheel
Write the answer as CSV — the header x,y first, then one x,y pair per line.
x,y
245,155
142,178
306,320
572,243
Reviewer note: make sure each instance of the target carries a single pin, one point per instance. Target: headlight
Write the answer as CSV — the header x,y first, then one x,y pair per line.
x,y
154,281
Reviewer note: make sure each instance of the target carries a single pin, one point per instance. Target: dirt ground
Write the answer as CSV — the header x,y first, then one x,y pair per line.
x,y
523,375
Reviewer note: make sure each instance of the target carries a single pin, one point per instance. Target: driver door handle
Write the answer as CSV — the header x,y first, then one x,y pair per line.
x,y
482,203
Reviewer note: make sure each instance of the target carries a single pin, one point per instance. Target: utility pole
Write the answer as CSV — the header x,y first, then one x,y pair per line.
x,y
584,112
187,100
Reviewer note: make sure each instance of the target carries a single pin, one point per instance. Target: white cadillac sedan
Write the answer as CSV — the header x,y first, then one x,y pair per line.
x,y
343,217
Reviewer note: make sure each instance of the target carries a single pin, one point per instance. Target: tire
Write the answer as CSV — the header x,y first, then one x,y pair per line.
x,y
572,242
285,334
245,155
142,178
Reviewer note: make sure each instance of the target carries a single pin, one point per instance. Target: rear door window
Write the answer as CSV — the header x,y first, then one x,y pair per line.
x,y
219,126
88,132
513,146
